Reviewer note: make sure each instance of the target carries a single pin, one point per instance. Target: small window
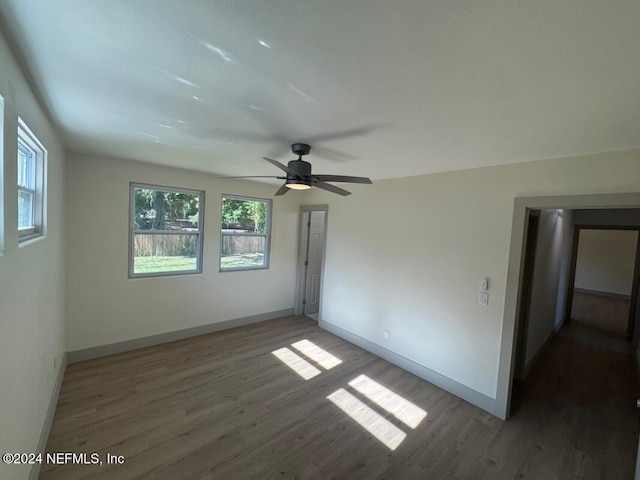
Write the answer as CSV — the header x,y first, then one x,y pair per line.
x,y
31,181
245,233
165,231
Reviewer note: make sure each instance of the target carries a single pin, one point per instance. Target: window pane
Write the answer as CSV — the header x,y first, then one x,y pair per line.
x,y
165,253
25,209
166,230
240,215
245,233
31,180
26,166
166,210
242,251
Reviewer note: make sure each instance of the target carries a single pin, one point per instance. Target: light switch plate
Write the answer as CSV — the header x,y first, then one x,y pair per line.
x,y
484,298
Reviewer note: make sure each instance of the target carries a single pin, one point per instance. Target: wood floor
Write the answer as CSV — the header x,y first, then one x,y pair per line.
x,y
223,406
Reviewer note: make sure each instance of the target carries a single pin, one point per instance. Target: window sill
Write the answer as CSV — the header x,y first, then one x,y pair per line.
x,y
242,269
175,273
30,239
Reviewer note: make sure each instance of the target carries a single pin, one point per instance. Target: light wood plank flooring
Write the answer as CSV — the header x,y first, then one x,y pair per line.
x,y
223,406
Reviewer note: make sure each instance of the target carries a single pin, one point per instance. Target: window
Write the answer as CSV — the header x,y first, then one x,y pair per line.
x,y
165,231
1,175
31,181
245,233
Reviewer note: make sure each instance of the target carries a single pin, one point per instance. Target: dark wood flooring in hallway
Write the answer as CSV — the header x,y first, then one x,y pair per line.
x,y
224,406
583,391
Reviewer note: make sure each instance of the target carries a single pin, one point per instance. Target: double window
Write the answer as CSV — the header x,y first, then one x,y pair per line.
x,y
31,183
165,231
246,226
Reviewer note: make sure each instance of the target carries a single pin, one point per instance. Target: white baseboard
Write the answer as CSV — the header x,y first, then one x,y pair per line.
x,y
34,473
602,294
472,396
135,343
543,348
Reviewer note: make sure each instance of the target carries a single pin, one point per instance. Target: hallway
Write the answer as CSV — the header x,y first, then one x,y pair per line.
x,y
583,391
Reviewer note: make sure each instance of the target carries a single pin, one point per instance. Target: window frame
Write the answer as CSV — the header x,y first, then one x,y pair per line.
x,y
132,231
2,175
267,235
26,140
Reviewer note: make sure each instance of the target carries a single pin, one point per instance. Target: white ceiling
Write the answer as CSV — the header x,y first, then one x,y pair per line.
x,y
420,86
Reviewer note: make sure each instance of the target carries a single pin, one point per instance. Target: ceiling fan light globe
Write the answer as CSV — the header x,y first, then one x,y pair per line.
x,y
298,186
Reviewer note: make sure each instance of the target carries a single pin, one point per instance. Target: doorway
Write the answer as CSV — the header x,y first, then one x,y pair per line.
x,y
311,249
605,211
624,203
605,278
605,275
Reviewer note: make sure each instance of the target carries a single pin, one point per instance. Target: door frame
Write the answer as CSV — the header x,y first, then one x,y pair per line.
x,y
633,328
302,250
528,268
636,271
506,363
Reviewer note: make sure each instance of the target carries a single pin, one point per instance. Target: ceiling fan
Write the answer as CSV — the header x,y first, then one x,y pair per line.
x,y
299,176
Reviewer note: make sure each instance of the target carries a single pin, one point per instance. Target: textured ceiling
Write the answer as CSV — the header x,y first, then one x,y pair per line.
x,y
379,88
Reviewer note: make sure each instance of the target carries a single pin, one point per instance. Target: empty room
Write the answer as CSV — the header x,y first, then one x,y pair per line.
x,y
309,240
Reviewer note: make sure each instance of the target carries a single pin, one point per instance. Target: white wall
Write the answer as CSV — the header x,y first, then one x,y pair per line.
x,y
606,259
407,255
31,280
548,290
104,306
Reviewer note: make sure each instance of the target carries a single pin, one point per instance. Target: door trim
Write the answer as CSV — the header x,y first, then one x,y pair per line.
x,y
300,270
528,269
632,327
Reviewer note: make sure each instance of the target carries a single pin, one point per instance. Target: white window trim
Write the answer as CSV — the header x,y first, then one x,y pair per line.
x,y
267,236
133,231
27,236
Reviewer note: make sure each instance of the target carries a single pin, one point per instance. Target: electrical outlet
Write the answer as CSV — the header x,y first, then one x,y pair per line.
x,y
386,335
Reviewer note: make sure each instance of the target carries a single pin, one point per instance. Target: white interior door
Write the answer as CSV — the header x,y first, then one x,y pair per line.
x,y
313,262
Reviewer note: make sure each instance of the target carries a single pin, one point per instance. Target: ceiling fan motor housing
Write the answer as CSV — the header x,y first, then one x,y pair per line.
x,y
300,167
302,173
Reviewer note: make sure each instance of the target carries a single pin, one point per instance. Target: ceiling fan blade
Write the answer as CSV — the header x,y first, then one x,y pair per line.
x,y
281,149
342,178
232,136
353,132
332,188
257,176
281,166
282,190
333,154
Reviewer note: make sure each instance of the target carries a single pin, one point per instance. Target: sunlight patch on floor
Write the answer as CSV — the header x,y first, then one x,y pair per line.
x,y
296,363
402,409
369,419
317,354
